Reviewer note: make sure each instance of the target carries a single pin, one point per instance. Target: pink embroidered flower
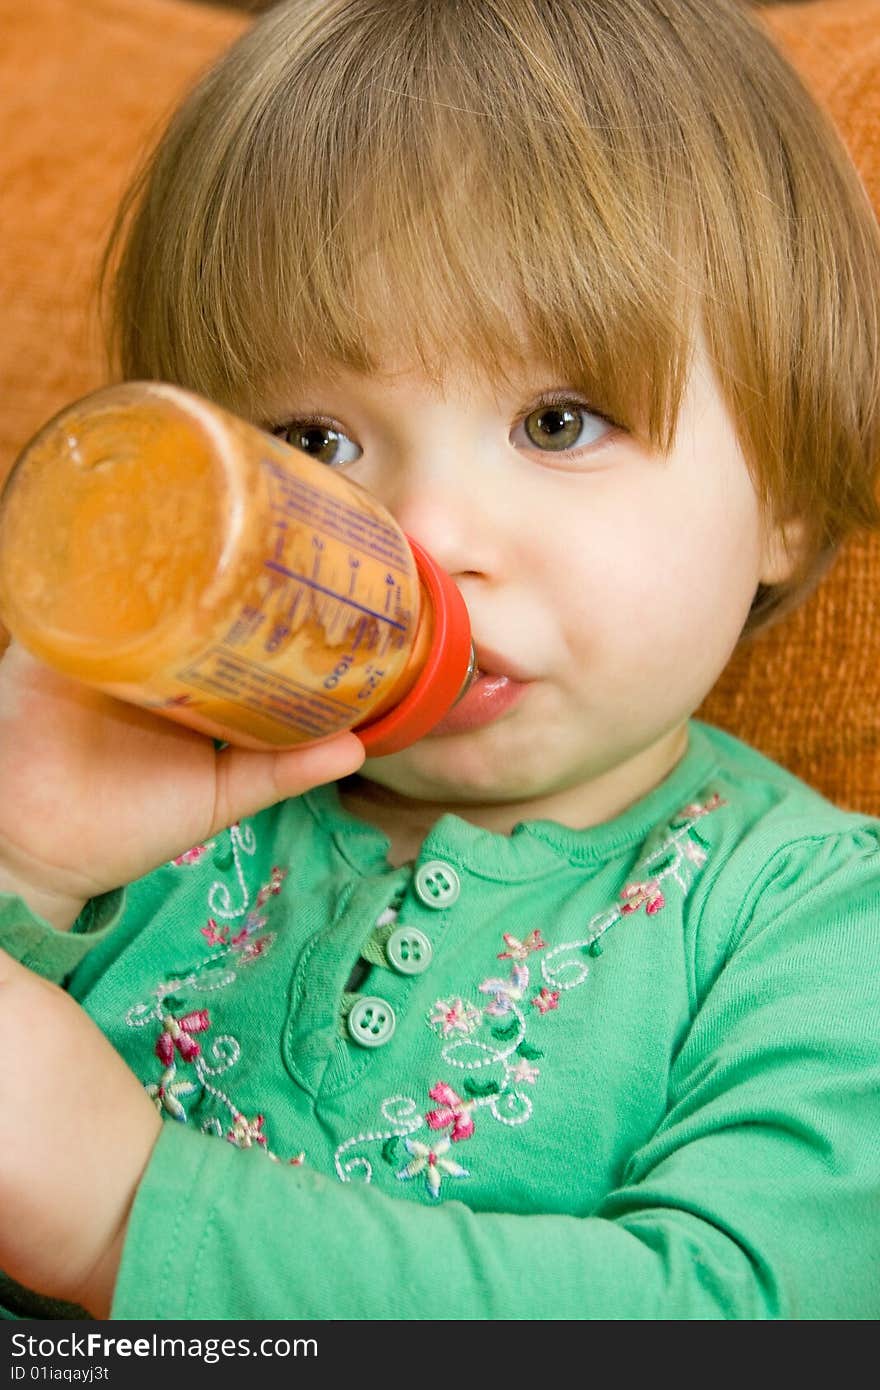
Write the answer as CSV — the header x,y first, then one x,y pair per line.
x,y
519,950
695,809
254,949
546,1000
432,1161
453,1111
240,937
273,886
191,856
454,1016
505,993
166,1094
215,936
245,1133
645,895
176,1034
523,1071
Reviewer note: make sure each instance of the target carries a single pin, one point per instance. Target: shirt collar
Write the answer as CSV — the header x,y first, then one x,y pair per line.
x,y
533,848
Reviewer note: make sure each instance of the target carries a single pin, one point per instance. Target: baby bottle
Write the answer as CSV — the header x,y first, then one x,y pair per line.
x,y
167,552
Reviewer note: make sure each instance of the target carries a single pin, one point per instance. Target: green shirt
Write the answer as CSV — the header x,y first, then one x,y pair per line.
x,y
631,1071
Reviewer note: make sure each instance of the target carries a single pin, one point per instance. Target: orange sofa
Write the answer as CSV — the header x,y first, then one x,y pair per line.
x,y
85,85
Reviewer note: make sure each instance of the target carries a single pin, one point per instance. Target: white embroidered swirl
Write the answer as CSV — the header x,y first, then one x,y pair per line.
x,y
402,1114
225,1052
243,841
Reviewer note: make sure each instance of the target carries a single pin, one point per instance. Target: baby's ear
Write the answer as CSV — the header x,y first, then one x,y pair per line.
x,y
784,546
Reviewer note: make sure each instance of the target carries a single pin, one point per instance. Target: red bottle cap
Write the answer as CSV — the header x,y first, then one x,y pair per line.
x,y
440,681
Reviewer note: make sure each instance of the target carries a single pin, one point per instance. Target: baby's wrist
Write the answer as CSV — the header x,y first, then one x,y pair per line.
x,y
60,910
97,1296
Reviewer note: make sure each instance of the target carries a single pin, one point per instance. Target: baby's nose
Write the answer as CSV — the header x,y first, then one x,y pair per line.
x,y
446,517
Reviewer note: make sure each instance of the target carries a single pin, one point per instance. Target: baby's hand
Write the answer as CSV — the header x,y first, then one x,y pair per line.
x,y
77,1132
96,793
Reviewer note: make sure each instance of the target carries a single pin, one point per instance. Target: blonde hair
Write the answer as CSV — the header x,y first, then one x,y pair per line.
x,y
486,179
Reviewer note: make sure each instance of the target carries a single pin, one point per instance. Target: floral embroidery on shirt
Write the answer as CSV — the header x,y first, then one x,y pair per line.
x,y
176,1034
546,999
519,950
431,1160
475,1039
254,949
273,887
192,856
402,1118
523,1071
695,809
167,1093
453,1111
245,1133
647,895
455,1016
214,935
180,1026
506,994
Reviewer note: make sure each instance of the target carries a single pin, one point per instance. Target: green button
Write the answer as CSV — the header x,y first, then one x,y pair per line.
x,y
409,951
437,884
371,1021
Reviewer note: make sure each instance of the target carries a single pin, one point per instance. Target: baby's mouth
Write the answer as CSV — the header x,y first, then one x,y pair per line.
x,y
491,692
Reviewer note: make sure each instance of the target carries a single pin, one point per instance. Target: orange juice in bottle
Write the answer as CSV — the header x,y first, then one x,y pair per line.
x,y
167,552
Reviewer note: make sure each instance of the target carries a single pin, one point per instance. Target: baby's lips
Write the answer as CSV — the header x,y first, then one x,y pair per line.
x,y
490,663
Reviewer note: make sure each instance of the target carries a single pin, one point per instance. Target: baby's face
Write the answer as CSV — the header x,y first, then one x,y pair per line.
x,y
607,583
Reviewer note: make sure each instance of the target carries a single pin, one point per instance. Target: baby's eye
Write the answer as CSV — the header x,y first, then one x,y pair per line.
x,y
320,441
555,426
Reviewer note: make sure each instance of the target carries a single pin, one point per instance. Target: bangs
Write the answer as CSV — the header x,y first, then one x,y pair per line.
x,y
417,205
582,186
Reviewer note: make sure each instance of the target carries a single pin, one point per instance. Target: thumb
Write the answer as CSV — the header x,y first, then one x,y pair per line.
x,y
247,780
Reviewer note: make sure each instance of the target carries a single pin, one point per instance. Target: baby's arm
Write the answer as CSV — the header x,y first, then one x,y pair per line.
x,y
756,1197
94,795
77,1135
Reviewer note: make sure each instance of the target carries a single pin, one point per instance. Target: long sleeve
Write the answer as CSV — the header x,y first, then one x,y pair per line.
x,y
755,1196
54,954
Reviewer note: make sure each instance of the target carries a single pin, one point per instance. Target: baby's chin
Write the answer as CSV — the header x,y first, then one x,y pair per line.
x,y
421,776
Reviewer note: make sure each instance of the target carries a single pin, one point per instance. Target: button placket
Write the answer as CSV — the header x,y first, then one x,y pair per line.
x,y
404,950
319,1049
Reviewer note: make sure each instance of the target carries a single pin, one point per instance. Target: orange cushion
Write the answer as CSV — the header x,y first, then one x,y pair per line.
x,y
85,88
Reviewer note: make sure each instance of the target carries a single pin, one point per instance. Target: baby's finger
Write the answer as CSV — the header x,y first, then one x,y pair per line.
x,y
248,781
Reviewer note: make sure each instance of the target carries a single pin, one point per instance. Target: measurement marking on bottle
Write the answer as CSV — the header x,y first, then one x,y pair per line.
x,y
246,683
281,539
370,534
331,593
318,547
